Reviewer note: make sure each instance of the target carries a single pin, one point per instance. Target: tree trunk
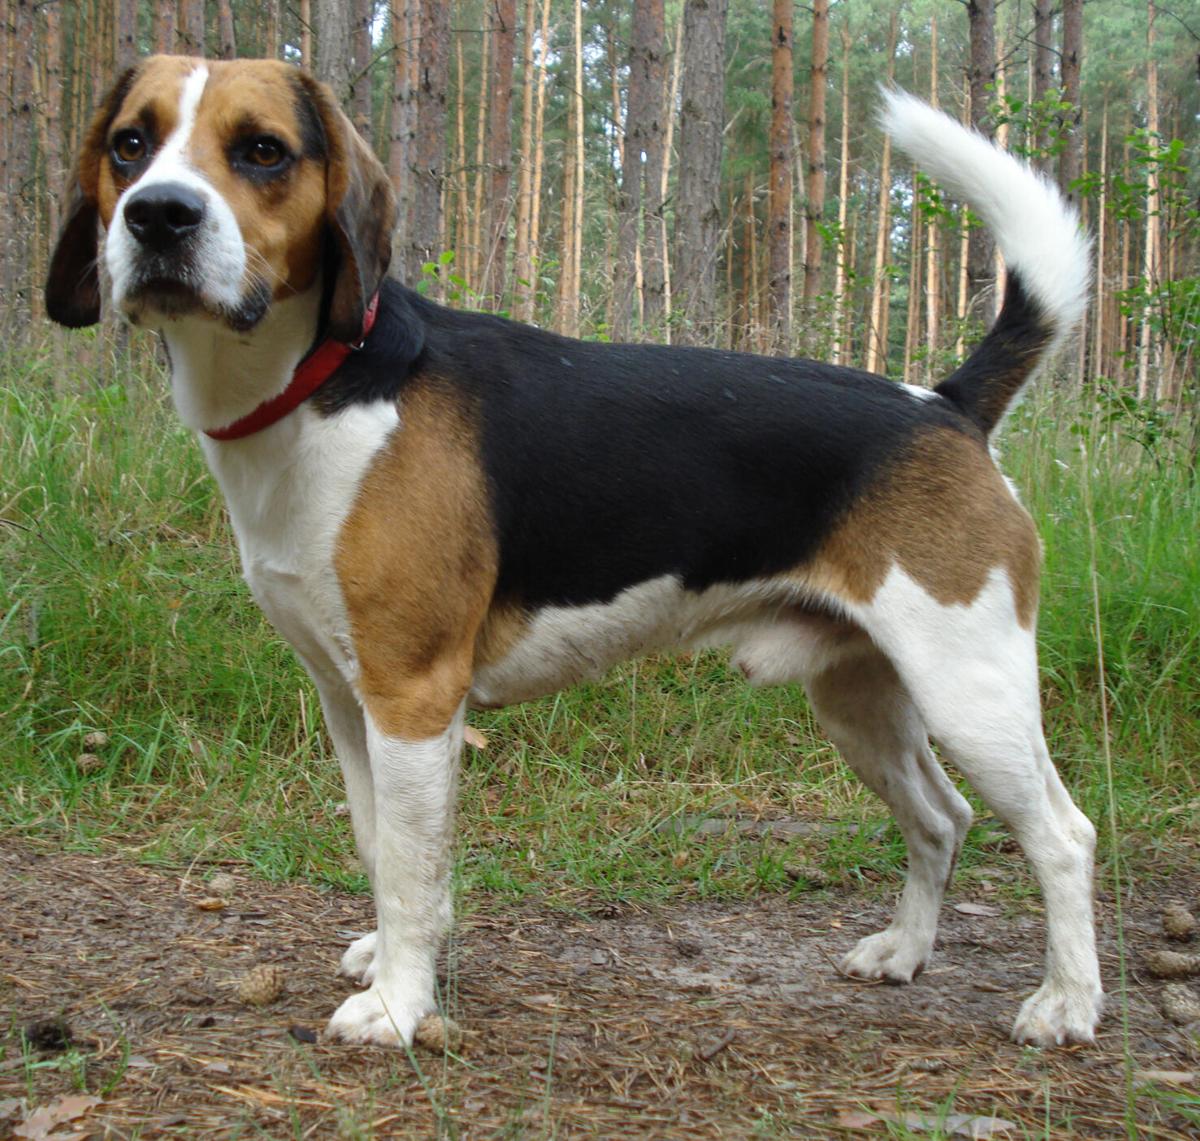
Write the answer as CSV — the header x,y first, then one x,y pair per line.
x,y
400,149
362,12
912,325
53,114
877,324
779,198
166,27
429,149
306,36
1070,163
643,131
577,210
539,155
227,40
478,228
814,206
839,351
22,202
192,17
462,221
1147,386
1098,321
933,251
981,247
698,213
522,267
1043,71
126,33
332,30
499,207
656,268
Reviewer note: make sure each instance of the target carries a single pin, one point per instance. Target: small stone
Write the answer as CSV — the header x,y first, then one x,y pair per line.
x,y
1180,1003
211,903
222,884
304,1034
262,985
1178,923
1172,964
438,1034
96,740
88,762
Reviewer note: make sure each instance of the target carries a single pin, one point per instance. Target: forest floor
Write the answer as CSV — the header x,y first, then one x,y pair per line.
x,y
696,1020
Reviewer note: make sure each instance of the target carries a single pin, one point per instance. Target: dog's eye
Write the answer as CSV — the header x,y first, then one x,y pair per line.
x,y
129,146
265,152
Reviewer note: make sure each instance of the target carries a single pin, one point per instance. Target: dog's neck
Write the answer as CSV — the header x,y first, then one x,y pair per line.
x,y
218,375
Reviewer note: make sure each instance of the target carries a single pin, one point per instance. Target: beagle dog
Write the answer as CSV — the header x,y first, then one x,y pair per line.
x,y
442,510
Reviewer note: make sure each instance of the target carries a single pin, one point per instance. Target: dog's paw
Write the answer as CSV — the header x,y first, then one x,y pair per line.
x,y
1056,1015
889,955
378,1016
358,961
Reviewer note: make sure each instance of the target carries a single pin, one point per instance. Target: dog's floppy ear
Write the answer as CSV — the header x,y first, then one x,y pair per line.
x,y
360,209
73,282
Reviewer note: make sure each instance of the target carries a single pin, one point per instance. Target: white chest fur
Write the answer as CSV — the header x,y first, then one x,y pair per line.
x,y
289,489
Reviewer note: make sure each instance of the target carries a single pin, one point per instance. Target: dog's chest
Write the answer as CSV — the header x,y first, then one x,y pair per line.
x,y
289,490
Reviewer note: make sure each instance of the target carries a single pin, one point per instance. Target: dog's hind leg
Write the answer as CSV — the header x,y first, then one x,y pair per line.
x,y
972,672
870,717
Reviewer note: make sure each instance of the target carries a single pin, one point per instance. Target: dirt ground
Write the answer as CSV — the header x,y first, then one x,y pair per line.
x,y
702,1020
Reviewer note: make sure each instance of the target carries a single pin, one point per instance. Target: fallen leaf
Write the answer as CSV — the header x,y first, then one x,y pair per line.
x,y
211,903
1167,1077
41,1124
952,1124
475,738
984,909
856,1119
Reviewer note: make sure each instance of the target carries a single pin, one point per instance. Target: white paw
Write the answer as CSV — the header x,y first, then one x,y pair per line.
x,y
890,955
1055,1015
379,1017
358,962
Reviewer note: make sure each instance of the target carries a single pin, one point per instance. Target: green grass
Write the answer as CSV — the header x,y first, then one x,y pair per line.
x,y
122,610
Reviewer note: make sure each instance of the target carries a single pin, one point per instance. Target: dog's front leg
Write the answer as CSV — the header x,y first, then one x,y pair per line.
x,y
415,777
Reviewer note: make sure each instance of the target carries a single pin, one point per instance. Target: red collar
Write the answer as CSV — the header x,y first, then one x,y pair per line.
x,y
310,374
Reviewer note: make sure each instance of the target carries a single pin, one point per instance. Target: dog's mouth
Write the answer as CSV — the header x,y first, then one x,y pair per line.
x,y
174,295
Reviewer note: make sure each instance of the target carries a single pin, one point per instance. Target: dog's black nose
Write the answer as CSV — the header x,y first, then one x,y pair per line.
x,y
163,215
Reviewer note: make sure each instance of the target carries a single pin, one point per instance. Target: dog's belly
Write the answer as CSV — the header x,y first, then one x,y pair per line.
x,y
776,636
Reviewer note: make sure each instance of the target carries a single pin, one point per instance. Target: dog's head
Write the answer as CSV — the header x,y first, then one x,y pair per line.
x,y
221,187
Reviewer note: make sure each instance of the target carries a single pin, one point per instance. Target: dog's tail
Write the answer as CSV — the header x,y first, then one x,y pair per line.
x,y
1037,232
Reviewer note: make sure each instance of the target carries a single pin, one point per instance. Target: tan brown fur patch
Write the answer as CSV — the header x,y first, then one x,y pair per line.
x,y
946,516
417,563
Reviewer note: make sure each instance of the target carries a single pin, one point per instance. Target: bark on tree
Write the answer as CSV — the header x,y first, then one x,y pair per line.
x,y
226,38
126,33
840,348
1098,316
539,153
478,229
522,267
191,13
21,172
643,134
1070,164
332,34
362,12
1147,376
656,269
877,324
698,213
1043,66
981,248
53,112
166,27
400,149
429,149
306,34
504,40
814,206
779,196
933,243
